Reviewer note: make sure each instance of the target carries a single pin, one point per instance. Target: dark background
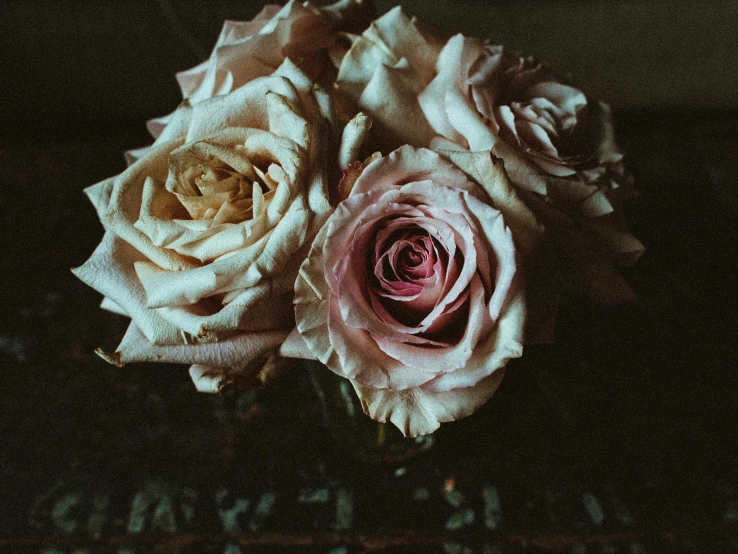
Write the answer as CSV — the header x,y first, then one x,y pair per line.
x,y
618,438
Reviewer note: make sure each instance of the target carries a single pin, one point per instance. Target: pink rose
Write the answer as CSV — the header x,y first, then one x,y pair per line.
x,y
485,97
554,143
411,289
205,233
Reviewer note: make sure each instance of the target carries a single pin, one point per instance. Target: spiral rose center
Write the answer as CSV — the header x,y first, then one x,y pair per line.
x,y
412,271
212,189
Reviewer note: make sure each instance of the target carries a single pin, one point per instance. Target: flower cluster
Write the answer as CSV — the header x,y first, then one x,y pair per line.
x,y
403,208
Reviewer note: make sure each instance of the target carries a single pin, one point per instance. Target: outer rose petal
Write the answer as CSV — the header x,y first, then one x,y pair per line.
x,y
294,346
490,173
446,101
235,352
208,379
408,164
244,107
383,72
419,412
110,272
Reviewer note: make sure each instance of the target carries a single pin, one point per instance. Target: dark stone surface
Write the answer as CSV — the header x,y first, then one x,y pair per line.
x,y
621,436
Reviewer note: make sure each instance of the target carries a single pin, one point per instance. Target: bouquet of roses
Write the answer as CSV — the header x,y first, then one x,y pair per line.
x,y
402,207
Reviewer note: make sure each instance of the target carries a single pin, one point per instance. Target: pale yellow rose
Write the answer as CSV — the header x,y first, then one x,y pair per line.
x,y
204,233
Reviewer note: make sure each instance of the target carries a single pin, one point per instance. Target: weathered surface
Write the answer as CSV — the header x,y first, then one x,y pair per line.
x,y
619,438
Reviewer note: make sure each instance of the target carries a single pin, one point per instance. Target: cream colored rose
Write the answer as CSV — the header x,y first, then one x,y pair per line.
x,y
247,50
203,233
412,289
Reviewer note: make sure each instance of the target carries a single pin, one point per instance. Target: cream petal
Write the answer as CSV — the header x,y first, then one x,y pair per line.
x,y
388,39
411,164
263,307
191,79
391,99
567,98
246,50
432,98
523,173
99,194
222,112
295,346
110,271
109,305
447,101
235,352
284,121
135,154
124,207
352,138
536,139
156,125
208,379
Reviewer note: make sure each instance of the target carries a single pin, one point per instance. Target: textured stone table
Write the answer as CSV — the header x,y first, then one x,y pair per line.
x,y
619,438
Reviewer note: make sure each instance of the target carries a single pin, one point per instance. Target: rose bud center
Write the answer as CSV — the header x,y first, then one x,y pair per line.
x,y
412,271
209,188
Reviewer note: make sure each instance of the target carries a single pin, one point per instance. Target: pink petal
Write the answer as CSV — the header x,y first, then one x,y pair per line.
x,y
419,412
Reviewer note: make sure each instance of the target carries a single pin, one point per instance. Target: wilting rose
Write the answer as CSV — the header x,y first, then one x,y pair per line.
x,y
485,97
203,233
247,50
411,289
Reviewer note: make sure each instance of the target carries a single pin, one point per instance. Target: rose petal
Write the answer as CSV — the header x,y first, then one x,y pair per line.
x,y
419,412
295,346
110,271
235,352
491,354
490,173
